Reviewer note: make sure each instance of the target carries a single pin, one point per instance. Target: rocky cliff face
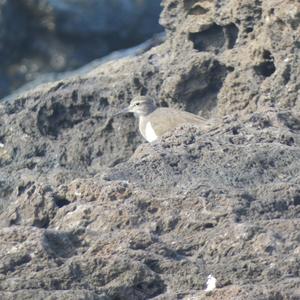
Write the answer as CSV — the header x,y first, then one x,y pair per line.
x,y
83,218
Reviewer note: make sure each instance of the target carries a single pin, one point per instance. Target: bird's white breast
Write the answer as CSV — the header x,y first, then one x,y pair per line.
x,y
150,133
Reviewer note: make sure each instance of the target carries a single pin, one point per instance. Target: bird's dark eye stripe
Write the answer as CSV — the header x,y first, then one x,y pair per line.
x,y
137,103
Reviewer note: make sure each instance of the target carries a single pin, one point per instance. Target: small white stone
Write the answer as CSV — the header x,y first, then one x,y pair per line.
x,y
211,283
1,145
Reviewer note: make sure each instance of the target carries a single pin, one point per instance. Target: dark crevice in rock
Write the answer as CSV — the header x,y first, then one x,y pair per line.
x,y
249,29
151,289
211,39
235,130
60,244
103,103
140,288
260,121
198,10
51,121
215,39
31,165
140,86
230,68
23,188
297,200
14,263
289,120
205,100
192,7
253,19
287,74
42,223
153,264
61,202
172,6
208,225
188,4
117,161
231,33
267,67
14,153
288,141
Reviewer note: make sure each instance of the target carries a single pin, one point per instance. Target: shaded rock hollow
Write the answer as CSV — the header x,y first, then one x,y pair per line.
x,y
82,219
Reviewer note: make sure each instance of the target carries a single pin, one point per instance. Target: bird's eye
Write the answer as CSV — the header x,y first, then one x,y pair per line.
x,y
137,104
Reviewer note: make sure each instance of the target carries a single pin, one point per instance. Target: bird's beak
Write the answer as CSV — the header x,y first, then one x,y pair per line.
x,y
123,111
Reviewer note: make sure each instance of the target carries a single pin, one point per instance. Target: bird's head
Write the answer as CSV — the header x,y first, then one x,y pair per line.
x,y
140,105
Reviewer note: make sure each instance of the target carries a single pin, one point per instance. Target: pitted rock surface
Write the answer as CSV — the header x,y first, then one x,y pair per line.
x,y
91,212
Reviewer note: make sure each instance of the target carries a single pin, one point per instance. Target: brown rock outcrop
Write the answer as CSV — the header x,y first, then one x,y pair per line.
x,y
87,220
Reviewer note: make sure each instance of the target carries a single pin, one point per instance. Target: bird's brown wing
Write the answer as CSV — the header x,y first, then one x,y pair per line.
x,y
167,119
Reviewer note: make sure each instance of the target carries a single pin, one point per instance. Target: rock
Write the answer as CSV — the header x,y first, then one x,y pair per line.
x,y
178,210
78,32
86,206
156,40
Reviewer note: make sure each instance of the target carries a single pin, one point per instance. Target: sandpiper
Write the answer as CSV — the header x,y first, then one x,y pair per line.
x,y
155,121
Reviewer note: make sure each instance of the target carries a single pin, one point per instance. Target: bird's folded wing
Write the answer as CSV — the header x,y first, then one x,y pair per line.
x,y
167,119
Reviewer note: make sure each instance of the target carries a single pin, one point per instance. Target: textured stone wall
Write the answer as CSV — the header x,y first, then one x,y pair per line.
x,y
83,218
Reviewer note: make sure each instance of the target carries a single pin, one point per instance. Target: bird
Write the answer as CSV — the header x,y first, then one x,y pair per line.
x,y
156,121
